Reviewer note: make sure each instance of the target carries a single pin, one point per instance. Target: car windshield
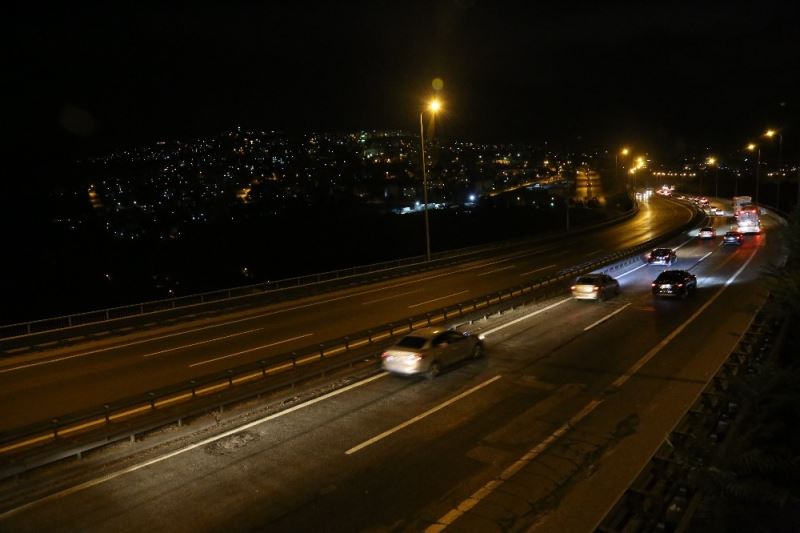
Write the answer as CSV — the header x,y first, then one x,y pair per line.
x,y
661,251
587,280
412,342
707,229
670,276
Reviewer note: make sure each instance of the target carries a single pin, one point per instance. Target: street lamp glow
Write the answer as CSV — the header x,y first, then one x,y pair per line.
x,y
770,133
434,106
751,147
625,151
712,161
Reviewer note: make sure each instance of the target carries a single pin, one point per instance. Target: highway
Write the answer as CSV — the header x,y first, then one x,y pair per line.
x,y
543,434
58,381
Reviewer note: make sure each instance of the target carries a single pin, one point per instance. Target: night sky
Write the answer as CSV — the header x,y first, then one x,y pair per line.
x,y
668,76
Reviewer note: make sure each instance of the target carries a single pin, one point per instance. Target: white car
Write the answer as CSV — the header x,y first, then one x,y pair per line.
x,y
594,287
426,351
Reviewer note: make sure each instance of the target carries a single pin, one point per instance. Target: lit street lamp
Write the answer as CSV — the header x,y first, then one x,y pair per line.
x,y
753,147
712,161
770,134
624,151
433,107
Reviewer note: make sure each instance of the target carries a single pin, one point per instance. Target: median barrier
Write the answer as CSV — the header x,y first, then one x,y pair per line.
x,y
16,443
100,320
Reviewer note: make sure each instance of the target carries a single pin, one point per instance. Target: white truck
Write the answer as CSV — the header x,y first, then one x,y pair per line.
x,y
739,201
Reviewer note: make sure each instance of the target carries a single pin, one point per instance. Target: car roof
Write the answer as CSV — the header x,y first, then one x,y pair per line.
x,y
662,249
593,275
426,333
674,274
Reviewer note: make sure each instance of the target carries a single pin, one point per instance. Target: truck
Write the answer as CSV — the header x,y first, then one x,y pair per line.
x,y
739,201
748,219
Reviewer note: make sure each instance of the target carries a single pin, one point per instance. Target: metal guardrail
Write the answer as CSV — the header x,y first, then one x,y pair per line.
x,y
65,429
76,320
665,496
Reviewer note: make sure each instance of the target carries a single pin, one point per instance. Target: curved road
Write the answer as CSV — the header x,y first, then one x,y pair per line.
x,y
55,382
543,434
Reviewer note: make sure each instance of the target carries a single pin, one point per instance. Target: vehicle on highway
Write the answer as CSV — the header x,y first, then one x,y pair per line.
x,y
733,237
707,233
594,287
675,283
748,219
662,256
718,211
428,350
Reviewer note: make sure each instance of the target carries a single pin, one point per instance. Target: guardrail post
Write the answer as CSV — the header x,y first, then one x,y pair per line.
x,y
322,350
391,330
369,336
428,316
69,319
346,343
192,383
141,308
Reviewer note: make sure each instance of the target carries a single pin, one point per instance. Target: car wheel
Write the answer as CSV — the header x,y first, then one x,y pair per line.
x,y
600,296
434,370
477,351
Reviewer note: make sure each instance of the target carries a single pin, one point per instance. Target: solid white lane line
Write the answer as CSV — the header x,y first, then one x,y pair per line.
x,y
520,319
658,347
202,342
284,341
593,324
702,258
496,270
631,271
537,270
440,298
684,243
209,440
417,418
390,297
475,498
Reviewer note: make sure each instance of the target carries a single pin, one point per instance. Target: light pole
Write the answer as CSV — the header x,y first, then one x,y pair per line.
x,y
770,134
753,147
624,151
433,107
712,161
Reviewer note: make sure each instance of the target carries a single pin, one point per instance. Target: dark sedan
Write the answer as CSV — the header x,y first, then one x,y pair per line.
x,y
675,283
662,256
733,237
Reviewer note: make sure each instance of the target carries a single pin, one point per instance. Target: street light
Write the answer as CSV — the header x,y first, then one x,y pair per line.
x,y
770,134
712,161
624,151
434,106
753,147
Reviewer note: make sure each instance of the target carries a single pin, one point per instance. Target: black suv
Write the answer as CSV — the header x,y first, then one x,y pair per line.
x,y
675,283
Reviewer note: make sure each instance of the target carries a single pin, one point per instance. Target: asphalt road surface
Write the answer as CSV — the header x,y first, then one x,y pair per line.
x,y
544,433
59,381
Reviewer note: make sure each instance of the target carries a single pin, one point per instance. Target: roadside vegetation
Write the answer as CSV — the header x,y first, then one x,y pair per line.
x,y
755,484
